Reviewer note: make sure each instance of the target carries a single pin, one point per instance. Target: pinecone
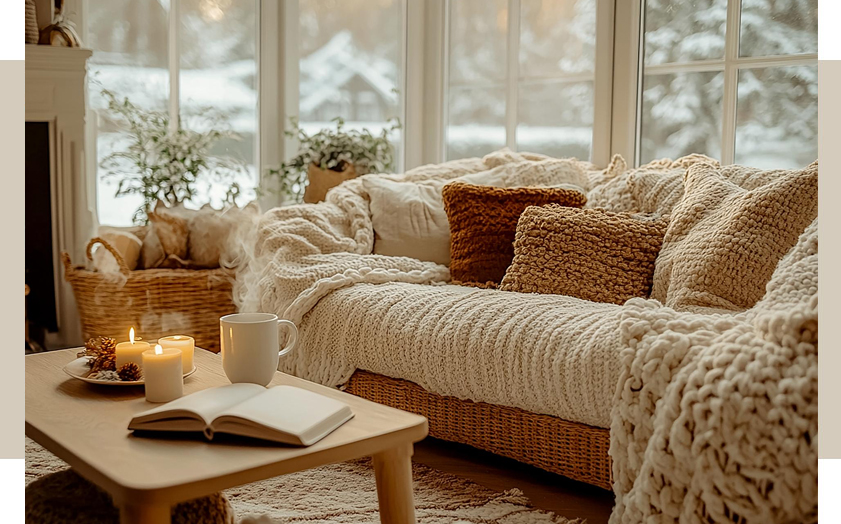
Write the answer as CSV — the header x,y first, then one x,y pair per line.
x,y
107,346
91,350
129,372
104,362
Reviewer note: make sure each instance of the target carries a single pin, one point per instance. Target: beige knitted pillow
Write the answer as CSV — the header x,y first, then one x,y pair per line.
x,y
723,242
657,186
591,254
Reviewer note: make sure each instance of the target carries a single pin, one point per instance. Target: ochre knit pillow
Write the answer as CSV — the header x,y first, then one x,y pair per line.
x,y
483,220
723,241
591,254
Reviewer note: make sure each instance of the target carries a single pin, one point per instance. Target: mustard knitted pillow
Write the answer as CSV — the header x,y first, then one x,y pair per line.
x,y
723,241
483,220
591,254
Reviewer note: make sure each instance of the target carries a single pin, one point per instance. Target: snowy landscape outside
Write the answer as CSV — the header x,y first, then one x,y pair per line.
x,y
351,67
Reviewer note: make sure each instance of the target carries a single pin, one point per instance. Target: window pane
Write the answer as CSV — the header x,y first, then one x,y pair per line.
x,y
476,121
684,30
557,37
556,119
777,117
681,114
129,39
478,32
218,48
780,27
351,64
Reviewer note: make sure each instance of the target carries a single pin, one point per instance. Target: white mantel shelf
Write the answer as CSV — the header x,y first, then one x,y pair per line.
x,y
56,93
45,57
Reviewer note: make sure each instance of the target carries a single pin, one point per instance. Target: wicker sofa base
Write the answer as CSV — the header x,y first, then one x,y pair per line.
x,y
571,449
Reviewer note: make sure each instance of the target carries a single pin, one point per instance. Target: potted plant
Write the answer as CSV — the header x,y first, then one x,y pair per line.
x,y
166,164
331,156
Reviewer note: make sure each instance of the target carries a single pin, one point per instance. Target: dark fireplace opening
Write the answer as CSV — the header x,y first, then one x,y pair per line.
x,y
41,301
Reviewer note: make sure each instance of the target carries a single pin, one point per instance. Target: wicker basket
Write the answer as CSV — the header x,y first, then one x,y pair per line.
x,y
156,302
572,449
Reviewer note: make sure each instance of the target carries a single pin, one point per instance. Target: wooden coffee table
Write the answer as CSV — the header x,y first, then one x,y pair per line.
x,y
85,425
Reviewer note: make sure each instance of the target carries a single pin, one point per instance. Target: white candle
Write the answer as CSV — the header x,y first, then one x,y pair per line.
x,y
131,351
162,374
186,344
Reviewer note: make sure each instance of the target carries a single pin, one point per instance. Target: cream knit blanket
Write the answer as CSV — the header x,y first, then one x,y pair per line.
x,y
715,418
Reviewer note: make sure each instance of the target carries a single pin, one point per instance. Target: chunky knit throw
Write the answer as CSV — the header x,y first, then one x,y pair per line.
x,y
586,253
483,222
716,416
724,242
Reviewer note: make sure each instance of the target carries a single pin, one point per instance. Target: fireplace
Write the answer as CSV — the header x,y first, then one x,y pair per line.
x,y
60,192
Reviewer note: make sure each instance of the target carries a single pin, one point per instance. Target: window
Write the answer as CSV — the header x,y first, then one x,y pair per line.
x,y
177,56
521,73
736,80
350,64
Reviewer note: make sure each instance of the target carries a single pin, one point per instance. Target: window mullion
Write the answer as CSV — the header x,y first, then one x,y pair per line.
x,y
513,74
174,62
731,82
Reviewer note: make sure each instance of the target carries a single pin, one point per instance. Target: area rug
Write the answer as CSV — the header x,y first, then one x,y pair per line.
x,y
345,494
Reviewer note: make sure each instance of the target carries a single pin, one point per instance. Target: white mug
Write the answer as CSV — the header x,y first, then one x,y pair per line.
x,y
250,347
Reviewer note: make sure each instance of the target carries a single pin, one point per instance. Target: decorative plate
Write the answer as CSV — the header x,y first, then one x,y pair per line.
x,y
79,369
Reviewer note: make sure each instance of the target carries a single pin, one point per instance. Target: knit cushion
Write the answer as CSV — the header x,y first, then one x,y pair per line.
x,y
658,186
586,253
483,221
723,242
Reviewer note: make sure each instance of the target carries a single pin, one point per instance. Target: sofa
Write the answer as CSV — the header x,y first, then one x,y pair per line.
x,y
586,389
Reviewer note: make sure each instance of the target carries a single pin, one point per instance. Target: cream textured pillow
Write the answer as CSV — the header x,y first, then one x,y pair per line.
x,y
723,241
409,219
591,254
211,239
170,226
658,186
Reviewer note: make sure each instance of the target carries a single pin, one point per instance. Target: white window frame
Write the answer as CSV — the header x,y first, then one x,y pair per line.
x,y
629,70
602,77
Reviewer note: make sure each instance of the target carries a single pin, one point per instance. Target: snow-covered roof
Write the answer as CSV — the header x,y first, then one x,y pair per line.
x,y
325,71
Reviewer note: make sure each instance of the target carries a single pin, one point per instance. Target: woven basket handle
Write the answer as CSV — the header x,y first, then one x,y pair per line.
x,y
120,262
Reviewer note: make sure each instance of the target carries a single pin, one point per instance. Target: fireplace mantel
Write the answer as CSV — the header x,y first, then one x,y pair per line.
x,y
56,94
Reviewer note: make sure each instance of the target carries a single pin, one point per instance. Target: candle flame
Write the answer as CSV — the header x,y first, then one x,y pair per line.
x,y
177,337
159,350
131,335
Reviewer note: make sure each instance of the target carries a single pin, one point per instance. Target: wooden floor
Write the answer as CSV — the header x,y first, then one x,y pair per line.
x,y
545,490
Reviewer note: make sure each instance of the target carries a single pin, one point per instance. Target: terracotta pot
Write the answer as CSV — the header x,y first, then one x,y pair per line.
x,y
322,180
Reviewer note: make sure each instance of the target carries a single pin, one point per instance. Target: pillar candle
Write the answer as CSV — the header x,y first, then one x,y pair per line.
x,y
162,375
131,351
186,344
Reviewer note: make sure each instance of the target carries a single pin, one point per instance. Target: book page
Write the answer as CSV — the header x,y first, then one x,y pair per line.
x,y
206,404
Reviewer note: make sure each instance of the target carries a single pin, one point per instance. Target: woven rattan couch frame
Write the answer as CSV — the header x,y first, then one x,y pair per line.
x,y
571,449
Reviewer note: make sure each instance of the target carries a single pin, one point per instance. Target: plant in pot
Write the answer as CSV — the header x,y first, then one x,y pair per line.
x,y
160,163
329,157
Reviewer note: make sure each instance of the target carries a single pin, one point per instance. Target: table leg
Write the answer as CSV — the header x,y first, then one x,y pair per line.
x,y
393,471
145,514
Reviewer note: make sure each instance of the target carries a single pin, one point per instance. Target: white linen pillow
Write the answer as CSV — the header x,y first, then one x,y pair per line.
x,y
409,219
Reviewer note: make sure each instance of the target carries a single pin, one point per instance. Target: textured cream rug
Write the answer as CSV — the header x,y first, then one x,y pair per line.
x,y
345,494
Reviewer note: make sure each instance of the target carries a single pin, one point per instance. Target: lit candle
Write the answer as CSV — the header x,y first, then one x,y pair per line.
x,y
162,374
186,344
131,351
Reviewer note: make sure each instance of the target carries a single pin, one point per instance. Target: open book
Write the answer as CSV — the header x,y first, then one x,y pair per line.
x,y
281,414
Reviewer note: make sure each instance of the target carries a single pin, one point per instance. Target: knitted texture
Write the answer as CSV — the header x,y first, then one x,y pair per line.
x,y
723,242
294,256
715,418
658,186
586,253
483,222
549,354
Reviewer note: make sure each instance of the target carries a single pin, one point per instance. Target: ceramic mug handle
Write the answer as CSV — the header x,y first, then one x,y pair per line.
x,y
293,335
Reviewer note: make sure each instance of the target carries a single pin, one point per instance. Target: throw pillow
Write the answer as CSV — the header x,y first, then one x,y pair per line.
x,y
211,233
723,241
658,186
608,188
591,254
408,219
171,227
483,222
